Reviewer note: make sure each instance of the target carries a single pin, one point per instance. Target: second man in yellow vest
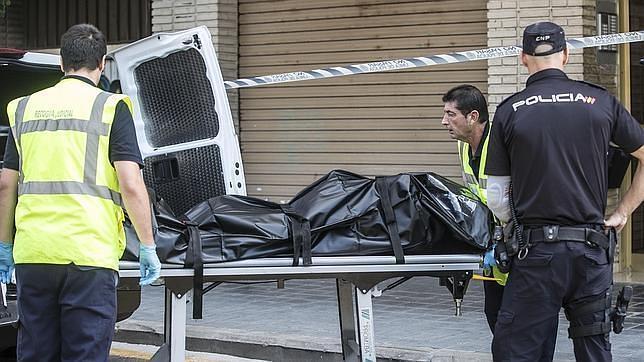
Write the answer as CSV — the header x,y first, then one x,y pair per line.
x,y
465,116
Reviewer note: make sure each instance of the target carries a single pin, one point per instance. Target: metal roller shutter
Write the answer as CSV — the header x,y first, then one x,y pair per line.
x,y
372,124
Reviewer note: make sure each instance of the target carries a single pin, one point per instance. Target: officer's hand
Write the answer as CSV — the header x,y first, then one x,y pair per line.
x,y
617,220
149,264
488,260
6,262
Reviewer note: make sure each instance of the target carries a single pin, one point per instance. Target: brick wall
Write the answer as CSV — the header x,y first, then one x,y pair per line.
x,y
606,71
506,21
11,27
220,16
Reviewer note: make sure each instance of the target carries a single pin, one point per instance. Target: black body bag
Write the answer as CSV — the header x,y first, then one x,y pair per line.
x,y
341,214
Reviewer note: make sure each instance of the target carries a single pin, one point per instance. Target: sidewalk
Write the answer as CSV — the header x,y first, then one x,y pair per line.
x,y
413,322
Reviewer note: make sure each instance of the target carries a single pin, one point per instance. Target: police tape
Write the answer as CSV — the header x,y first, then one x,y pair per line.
x,y
417,62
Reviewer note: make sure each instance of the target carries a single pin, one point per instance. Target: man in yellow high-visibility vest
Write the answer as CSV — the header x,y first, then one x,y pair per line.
x,y
465,116
71,164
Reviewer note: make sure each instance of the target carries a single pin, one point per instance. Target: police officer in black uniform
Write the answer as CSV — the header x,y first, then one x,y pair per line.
x,y
548,154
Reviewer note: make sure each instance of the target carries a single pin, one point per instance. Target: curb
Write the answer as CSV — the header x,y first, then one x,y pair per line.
x,y
278,347
126,352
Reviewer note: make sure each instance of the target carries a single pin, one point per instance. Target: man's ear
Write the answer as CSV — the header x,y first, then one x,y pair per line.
x,y
524,59
565,56
474,116
101,66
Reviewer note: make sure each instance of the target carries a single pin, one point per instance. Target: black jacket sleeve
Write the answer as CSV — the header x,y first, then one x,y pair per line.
x,y
123,143
498,156
11,160
627,132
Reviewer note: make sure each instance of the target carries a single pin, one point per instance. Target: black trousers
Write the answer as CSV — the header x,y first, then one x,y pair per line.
x,y
66,313
493,298
552,276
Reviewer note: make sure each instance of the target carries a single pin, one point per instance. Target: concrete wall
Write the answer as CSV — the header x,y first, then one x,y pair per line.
x,y
220,16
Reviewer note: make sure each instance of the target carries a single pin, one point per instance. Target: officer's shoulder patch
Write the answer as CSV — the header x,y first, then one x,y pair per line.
x,y
591,84
509,97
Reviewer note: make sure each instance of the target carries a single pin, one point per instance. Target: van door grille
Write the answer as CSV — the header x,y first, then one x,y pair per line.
x,y
181,179
177,102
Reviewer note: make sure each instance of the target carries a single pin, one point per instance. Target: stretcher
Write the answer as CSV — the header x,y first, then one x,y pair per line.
x,y
356,279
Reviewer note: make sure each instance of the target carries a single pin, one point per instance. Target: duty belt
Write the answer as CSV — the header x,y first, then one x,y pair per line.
x,y
556,233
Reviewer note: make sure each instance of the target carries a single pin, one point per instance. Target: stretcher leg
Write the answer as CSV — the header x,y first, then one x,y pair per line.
x,y
174,322
366,335
350,347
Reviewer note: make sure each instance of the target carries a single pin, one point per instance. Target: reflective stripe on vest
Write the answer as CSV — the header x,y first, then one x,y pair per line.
x,y
69,188
94,128
20,115
478,187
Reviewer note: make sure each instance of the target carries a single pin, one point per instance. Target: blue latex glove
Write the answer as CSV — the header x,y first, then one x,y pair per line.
x,y
6,262
149,264
489,261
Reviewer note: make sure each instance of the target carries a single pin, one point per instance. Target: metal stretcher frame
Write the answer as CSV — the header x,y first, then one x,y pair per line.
x,y
355,276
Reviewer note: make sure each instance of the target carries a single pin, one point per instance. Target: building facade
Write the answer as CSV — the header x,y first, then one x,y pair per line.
x,y
372,124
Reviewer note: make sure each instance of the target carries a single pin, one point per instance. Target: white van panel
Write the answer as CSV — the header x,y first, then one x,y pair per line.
x,y
181,113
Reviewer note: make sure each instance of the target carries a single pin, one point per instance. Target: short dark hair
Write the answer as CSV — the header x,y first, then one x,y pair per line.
x,y
82,46
468,98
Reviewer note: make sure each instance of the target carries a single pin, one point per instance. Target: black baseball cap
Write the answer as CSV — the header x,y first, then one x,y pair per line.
x,y
543,33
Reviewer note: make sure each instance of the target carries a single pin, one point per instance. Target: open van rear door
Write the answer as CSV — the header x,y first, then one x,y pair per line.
x,y
183,121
